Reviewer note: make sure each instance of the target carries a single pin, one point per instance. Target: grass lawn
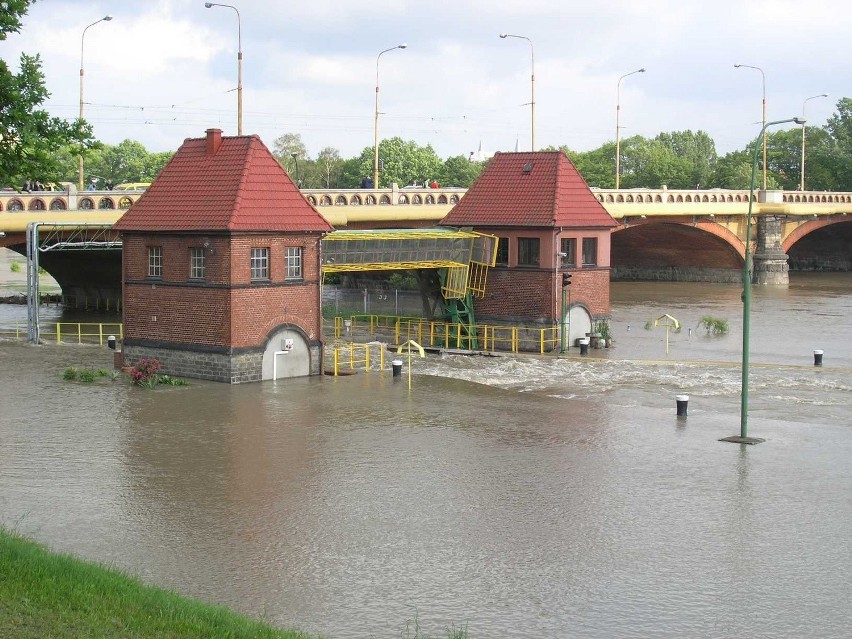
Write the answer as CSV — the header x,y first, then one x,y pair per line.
x,y
48,596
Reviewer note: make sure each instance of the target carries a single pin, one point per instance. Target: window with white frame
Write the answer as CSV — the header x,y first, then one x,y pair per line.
x,y
293,259
155,261
196,263
259,264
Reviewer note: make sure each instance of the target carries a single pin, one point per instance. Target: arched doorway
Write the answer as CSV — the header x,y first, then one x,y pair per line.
x,y
579,323
286,354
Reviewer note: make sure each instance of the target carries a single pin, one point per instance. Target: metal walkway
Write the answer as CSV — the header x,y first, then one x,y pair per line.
x,y
466,255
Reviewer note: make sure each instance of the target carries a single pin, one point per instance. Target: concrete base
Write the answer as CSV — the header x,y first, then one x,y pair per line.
x,y
736,439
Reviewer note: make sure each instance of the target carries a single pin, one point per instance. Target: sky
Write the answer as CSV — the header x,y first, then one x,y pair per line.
x,y
162,71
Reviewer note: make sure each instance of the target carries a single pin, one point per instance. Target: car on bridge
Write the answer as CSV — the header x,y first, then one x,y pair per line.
x,y
132,186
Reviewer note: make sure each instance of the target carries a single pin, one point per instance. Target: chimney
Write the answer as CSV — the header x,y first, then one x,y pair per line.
x,y
214,140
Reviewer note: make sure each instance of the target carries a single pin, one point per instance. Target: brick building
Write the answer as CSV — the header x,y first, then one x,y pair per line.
x,y
221,266
548,223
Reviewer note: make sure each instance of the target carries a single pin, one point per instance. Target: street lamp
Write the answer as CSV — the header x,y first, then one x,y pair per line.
x,y
743,437
295,157
106,18
802,170
763,119
618,126
376,122
532,84
210,5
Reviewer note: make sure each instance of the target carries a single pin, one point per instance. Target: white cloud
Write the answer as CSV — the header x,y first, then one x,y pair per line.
x,y
310,68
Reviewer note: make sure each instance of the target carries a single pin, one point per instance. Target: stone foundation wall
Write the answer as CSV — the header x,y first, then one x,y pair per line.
x,y
675,274
218,367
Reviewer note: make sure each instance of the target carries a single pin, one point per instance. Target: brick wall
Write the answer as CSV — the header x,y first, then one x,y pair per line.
x,y
206,319
533,295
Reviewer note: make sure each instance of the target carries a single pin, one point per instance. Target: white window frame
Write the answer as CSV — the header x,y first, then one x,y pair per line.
x,y
260,264
196,263
293,262
155,261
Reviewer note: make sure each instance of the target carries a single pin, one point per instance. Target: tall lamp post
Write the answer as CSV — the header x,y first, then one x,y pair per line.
x,y
210,5
532,84
743,437
376,122
106,18
618,126
802,170
295,157
763,119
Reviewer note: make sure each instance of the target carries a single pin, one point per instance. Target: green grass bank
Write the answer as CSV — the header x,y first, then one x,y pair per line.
x,y
45,595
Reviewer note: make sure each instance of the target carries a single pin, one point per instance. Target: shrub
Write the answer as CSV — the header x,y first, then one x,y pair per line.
x,y
15,266
146,372
87,376
172,381
714,325
602,327
70,374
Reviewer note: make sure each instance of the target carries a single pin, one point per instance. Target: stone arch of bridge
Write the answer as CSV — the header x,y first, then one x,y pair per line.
x,y
803,230
677,244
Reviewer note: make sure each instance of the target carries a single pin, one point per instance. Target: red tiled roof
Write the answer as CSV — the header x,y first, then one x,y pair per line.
x,y
533,189
222,184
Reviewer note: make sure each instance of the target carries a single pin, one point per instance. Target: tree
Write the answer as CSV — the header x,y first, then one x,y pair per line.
x,y
597,166
122,163
286,145
30,139
403,162
154,163
733,171
330,165
459,171
696,153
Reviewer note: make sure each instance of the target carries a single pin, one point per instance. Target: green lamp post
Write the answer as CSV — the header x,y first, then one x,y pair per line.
x,y
743,437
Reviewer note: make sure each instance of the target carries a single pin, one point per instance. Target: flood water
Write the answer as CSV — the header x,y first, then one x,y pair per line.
x,y
521,496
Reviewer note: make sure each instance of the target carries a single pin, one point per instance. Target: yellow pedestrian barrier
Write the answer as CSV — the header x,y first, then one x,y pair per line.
x,y
419,348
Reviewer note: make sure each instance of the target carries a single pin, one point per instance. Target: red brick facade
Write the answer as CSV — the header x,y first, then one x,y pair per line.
x,y
225,310
215,203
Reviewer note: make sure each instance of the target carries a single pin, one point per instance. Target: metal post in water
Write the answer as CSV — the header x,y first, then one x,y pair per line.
x,y
682,405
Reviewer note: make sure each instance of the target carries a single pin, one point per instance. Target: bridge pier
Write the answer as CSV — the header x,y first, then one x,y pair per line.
x,y
770,260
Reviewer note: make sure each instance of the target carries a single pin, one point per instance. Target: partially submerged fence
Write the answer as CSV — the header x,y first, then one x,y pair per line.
x,y
441,334
68,332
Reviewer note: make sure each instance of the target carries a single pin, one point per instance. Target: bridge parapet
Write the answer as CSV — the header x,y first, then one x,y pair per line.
x,y
620,203
394,196
15,202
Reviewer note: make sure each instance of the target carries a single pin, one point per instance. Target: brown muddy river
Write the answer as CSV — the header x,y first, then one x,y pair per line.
x,y
521,496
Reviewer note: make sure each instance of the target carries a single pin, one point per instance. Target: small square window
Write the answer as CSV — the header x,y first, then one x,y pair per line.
x,y
259,264
155,261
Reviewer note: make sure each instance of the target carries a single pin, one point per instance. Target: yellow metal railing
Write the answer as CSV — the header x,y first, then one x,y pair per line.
x,y
356,355
439,334
70,332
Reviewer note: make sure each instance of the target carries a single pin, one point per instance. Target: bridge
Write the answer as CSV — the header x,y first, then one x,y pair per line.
x,y
664,234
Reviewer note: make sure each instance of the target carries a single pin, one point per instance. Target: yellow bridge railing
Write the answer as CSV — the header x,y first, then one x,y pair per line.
x,y
69,332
